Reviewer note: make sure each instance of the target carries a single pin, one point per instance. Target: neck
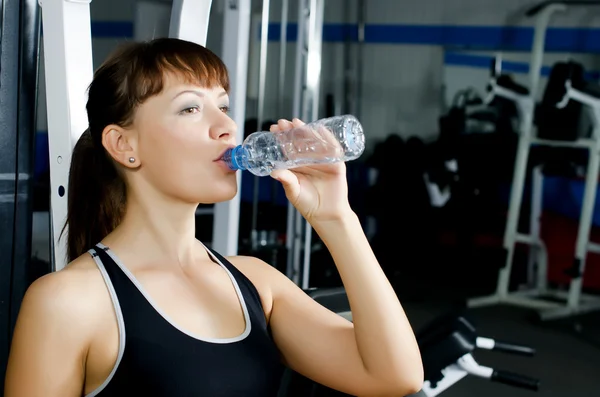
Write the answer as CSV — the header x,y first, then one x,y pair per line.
x,y
158,229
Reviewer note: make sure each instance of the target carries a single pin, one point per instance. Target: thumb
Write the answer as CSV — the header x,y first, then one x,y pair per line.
x,y
289,181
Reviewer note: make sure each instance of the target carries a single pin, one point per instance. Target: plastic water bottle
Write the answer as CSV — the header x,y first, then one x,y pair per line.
x,y
324,141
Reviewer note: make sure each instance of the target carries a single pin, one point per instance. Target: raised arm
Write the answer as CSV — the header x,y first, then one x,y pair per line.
x,y
47,357
378,353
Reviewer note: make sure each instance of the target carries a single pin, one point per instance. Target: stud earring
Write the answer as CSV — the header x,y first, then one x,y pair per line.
x,y
132,160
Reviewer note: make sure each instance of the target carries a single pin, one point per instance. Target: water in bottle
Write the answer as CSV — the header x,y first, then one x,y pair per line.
x,y
324,141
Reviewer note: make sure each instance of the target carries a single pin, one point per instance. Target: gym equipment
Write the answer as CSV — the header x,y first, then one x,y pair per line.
x,y
550,303
307,82
19,37
447,345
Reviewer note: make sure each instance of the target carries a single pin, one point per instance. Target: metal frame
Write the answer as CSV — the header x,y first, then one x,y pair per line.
x,y
306,104
189,20
466,365
19,59
68,59
236,32
573,301
282,56
260,114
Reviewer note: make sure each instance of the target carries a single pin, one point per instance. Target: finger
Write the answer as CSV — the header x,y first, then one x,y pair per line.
x,y
284,124
297,122
274,128
289,181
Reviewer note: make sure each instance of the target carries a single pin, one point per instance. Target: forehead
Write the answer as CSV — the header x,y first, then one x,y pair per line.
x,y
173,82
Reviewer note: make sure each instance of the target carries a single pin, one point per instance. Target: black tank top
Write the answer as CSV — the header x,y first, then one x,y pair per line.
x,y
158,359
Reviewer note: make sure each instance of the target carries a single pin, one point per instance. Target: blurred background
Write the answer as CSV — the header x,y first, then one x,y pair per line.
x,y
459,109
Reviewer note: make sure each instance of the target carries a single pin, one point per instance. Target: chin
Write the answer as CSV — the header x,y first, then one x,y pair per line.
x,y
219,194
224,197
215,190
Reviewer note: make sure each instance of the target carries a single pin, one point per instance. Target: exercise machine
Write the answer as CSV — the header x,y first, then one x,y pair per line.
x,y
550,303
307,82
19,38
447,345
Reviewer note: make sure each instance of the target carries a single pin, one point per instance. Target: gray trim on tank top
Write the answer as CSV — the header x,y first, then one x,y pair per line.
x,y
120,322
241,299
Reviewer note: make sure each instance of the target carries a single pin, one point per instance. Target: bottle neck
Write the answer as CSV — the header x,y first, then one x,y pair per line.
x,y
239,158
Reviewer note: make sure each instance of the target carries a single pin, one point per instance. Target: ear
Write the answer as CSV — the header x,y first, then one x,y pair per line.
x,y
121,144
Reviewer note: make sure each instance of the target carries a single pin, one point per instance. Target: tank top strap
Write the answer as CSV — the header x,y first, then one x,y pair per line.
x,y
110,269
248,290
131,300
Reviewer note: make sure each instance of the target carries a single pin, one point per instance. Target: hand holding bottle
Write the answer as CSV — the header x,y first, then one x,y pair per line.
x,y
318,191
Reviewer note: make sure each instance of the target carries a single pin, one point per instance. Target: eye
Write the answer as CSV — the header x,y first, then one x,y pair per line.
x,y
190,110
224,109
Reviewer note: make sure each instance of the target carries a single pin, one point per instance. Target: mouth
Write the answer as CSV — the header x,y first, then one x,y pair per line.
x,y
220,158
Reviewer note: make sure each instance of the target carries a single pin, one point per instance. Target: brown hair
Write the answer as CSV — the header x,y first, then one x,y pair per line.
x,y
131,75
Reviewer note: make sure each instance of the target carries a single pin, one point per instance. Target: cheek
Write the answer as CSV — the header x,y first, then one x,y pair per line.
x,y
176,155
174,143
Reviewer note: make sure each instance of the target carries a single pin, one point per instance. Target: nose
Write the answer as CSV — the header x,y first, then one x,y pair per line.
x,y
223,128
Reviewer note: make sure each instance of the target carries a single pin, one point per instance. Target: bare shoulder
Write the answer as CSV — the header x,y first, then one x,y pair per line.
x,y
266,278
252,266
258,271
55,327
75,279
71,293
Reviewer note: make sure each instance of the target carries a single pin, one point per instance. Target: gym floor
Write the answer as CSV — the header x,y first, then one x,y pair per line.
x,y
567,363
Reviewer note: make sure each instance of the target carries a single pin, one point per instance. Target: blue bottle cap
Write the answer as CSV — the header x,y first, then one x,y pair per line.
x,y
233,157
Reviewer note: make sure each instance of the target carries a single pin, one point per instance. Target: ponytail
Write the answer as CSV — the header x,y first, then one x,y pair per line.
x,y
97,196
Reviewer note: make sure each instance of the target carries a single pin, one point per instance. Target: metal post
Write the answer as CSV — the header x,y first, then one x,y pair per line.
x,y
313,85
537,198
306,104
539,40
362,17
23,273
264,42
189,20
235,55
516,194
19,51
68,65
587,211
282,56
294,219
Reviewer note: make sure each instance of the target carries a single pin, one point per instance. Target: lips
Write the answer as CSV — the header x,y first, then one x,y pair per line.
x,y
223,153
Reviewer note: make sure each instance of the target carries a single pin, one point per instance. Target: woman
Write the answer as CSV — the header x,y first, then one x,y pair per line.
x,y
150,311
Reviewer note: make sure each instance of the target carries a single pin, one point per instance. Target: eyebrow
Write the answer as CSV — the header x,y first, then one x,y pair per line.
x,y
198,93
